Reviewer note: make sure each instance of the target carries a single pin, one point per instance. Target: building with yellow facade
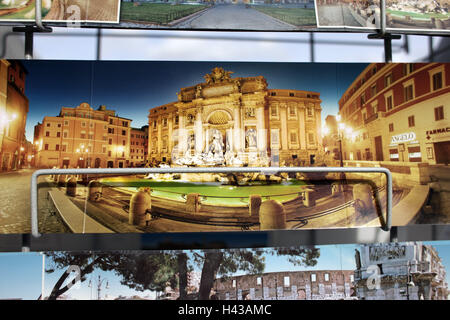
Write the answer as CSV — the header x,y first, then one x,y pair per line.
x,y
398,113
13,114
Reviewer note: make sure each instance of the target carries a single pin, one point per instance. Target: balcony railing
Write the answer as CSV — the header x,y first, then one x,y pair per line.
x,y
373,117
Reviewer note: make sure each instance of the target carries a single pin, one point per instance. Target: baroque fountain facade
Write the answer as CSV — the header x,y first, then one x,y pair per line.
x,y
236,122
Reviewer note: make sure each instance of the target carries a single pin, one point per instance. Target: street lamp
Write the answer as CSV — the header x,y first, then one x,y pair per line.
x,y
120,150
5,118
83,151
342,129
99,286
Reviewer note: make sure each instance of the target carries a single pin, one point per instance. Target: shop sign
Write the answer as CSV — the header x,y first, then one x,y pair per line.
x,y
402,138
437,131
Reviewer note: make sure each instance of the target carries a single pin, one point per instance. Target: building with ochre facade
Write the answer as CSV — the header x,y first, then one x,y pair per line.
x,y
83,137
14,107
398,113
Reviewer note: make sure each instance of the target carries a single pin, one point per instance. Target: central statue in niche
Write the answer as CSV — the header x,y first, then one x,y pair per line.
x,y
216,147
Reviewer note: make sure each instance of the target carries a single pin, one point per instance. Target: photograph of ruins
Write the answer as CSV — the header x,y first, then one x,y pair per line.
x,y
105,11
223,115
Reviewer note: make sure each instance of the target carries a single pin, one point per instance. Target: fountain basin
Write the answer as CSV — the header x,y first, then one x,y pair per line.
x,y
212,193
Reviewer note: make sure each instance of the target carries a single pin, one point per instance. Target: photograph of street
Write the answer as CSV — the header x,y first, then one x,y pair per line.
x,y
82,114
378,271
418,14
219,14
105,11
348,13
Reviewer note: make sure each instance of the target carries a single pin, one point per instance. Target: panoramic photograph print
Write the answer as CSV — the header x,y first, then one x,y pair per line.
x,y
376,271
207,115
219,14
105,11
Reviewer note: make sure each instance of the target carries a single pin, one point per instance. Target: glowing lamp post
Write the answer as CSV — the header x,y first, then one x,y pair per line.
x,y
342,129
120,150
82,150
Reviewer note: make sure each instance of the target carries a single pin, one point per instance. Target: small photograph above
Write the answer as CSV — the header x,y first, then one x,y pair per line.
x,y
254,15
363,14
105,11
418,14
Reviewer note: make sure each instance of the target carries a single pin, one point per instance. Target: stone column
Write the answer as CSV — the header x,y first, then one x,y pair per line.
x,y
317,118
198,133
284,128
301,120
229,138
181,134
170,141
207,138
149,142
237,130
159,135
260,130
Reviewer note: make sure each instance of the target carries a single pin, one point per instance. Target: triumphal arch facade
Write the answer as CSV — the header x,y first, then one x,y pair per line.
x,y
236,121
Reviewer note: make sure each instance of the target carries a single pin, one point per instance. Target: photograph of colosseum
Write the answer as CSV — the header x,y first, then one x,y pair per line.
x,y
202,115
105,11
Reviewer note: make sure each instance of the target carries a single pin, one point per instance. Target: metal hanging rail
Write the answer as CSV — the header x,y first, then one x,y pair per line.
x,y
30,30
383,34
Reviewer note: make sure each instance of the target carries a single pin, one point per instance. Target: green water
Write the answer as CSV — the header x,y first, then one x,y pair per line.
x,y
213,193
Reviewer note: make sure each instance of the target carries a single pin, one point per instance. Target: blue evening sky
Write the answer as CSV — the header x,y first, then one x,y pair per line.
x,y
20,273
132,88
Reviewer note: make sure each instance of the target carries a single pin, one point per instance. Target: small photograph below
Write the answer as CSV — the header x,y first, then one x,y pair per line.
x,y
105,11
418,14
348,13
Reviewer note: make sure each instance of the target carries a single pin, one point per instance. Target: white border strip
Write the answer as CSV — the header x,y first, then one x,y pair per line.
x,y
265,170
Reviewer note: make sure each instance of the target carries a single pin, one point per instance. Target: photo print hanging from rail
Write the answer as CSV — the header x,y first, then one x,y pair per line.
x,y
59,11
420,15
345,14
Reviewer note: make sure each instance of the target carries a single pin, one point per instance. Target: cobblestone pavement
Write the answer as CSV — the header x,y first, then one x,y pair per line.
x,y
234,16
336,15
15,205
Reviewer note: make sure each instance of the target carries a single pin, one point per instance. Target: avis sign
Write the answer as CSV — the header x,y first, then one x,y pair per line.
x,y
402,138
